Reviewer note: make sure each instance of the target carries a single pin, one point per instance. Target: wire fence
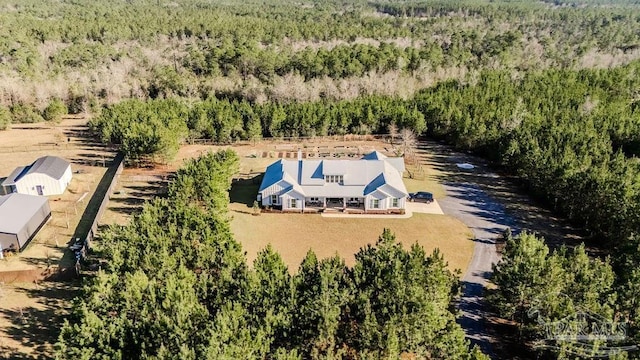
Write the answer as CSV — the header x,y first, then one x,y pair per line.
x,y
37,147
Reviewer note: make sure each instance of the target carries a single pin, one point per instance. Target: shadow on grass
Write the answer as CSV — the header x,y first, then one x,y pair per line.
x,y
92,159
126,210
130,199
245,190
83,136
36,326
41,262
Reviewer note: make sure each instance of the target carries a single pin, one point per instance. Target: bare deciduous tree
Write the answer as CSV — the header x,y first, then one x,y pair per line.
x,y
393,131
409,141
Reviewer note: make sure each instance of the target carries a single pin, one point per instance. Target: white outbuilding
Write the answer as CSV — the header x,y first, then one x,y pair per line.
x,y
49,175
21,216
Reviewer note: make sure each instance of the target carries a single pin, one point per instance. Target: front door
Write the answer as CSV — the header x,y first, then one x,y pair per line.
x,y
334,202
39,189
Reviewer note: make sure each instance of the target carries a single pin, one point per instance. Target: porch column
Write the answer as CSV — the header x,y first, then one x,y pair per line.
x,y
344,204
324,202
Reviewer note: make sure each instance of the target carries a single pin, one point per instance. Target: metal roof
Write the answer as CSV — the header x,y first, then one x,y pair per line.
x,y
360,177
52,166
375,155
17,209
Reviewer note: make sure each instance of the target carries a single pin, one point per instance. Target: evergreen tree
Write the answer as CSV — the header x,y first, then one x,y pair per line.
x,y
54,111
5,118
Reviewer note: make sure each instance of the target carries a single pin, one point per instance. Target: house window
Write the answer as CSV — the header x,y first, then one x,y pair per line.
x,y
394,202
293,203
274,199
334,179
314,199
375,203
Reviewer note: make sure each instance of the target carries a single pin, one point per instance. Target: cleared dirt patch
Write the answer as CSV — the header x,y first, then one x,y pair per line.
x,y
31,316
22,145
30,313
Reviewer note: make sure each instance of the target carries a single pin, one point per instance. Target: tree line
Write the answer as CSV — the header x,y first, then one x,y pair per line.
x,y
176,285
156,128
23,113
197,49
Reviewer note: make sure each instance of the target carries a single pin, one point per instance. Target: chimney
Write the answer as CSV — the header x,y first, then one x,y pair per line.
x,y
299,166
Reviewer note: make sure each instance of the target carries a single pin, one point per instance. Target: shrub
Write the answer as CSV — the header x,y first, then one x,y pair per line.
x,y
21,113
54,111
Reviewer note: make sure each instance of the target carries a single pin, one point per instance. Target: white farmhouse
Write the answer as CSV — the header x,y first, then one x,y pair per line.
x,y
49,175
372,184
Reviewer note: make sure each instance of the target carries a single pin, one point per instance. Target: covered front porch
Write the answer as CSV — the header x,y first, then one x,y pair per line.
x,y
334,204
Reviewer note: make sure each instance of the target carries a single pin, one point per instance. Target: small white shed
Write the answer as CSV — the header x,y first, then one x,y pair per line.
x,y
49,175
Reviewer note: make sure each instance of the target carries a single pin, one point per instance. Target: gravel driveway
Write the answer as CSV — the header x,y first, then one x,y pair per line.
x,y
487,219
467,201
487,204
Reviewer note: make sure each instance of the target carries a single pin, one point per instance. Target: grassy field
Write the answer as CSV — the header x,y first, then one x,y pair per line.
x,y
292,235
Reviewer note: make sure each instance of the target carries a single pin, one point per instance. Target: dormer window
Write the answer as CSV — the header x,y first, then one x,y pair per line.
x,y
329,179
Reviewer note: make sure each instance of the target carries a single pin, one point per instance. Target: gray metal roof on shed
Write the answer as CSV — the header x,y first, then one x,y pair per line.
x,y
52,166
17,209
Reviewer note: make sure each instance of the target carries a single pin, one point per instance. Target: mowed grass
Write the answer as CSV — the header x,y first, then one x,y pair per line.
x,y
292,235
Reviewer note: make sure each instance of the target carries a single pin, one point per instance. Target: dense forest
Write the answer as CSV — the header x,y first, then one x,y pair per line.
x,y
537,287
572,137
177,286
86,53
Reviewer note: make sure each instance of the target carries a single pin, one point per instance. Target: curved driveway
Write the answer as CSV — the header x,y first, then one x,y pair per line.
x,y
487,218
